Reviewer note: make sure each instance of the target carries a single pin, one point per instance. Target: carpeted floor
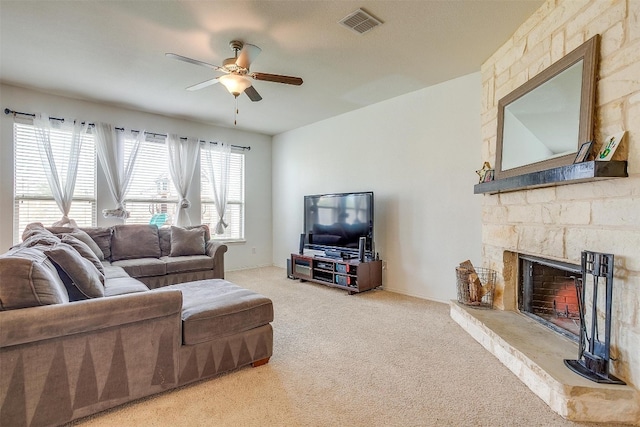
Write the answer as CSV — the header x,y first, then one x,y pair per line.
x,y
373,359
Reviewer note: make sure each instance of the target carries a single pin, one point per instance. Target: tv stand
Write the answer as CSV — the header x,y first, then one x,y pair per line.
x,y
351,275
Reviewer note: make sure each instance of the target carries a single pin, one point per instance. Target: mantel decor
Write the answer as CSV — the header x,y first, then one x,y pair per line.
x,y
563,175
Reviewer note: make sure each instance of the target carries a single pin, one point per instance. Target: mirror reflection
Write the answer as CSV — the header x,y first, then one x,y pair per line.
x,y
544,123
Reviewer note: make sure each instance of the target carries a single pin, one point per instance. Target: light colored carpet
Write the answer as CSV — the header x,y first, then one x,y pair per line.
x,y
373,359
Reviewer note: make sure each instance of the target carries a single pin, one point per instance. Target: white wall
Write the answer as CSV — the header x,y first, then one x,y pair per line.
x,y
257,174
418,153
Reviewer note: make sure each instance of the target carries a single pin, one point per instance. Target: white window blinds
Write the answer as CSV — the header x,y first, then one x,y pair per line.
x,y
234,214
33,200
152,198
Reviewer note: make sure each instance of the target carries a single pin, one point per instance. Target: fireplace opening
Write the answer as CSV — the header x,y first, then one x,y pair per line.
x,y
547,293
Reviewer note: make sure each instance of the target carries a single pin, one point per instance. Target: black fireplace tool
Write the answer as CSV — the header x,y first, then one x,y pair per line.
x,y
593,363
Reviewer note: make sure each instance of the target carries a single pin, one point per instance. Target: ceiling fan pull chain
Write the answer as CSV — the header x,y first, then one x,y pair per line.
x,y
235,117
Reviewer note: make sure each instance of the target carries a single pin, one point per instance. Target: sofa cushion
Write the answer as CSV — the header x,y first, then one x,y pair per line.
x,y
34,228
123,285
79,234
187,242
135,241
164,235
183,264
113,271
102,237
83,249
142,267
84,280
216,308
29,279
89,242
40,239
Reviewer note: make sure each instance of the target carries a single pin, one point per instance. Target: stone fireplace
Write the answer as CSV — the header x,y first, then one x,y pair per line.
x,y
557,223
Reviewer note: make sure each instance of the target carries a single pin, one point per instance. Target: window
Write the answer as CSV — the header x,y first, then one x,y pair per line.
x,y
234,214
33,200
152,198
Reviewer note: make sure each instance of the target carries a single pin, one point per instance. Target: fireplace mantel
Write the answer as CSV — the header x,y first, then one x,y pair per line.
x,y
563,175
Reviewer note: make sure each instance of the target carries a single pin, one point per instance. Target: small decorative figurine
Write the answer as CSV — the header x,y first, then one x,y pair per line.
x,y
482,172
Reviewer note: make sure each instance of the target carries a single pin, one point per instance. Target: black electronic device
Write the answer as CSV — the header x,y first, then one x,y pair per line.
x,y
338,221
332,254
361,245
289,272
301,249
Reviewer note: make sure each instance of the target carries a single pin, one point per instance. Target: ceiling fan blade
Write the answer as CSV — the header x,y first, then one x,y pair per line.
x,y
253,94
277,78
247,55
203,84
193,61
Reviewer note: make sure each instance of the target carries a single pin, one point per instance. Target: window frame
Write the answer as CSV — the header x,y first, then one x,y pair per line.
x,y
207,202
21,129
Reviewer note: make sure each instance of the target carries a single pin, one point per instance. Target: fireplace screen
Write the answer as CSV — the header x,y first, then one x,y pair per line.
x,y
547,293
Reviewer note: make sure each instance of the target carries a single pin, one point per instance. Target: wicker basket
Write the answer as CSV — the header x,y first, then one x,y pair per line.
x,y
473,293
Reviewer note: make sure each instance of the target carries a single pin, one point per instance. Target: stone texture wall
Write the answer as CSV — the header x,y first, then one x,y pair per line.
x,y
559,222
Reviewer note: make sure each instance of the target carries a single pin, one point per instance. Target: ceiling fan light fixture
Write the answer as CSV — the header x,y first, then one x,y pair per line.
x,y
234,83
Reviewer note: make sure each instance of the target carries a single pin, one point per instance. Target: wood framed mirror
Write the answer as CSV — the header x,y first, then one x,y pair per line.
x,y
543,123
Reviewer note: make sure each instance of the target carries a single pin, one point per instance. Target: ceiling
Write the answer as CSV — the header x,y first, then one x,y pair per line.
x,y
113,52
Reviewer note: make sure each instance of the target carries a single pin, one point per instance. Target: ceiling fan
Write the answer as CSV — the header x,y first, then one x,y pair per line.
x,y
237,73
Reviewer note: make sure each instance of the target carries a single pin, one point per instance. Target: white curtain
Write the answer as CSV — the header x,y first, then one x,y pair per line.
x,y
183,156
110,147
217,160
62,190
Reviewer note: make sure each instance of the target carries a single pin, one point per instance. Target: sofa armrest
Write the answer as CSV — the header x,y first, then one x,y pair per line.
x,y
53,321
216,251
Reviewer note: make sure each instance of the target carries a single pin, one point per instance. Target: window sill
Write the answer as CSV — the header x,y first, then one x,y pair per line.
x,y
230,241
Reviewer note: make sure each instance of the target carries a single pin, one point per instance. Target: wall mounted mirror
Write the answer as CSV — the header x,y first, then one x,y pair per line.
x,y
542,124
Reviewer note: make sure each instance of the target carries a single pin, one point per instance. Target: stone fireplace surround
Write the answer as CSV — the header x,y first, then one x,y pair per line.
x,y
559,222
535,353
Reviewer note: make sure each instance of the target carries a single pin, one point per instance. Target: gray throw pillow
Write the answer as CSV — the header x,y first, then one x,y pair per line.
x,y
87,240
130,241
29,279
80,235
85,276
187,242
83,249
102,237
40,239
33,229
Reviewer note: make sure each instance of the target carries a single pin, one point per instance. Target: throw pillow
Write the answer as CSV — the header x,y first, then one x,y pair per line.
x,y
40,239
204,227
135,241
187,242
29,279
34,228
102,237
88,240
85,276
80,235
83,249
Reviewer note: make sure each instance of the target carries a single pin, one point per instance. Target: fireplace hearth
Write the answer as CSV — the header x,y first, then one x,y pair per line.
x,y
547,293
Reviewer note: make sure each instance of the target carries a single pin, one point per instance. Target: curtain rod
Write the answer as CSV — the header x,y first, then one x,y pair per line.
x,y
7,111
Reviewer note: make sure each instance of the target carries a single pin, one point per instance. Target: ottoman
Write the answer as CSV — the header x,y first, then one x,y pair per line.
x,y
224,327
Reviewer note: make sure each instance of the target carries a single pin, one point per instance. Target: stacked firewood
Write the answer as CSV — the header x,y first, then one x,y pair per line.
x,y
473,288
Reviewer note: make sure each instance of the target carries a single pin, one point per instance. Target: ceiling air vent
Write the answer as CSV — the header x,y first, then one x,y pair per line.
x,y
360,22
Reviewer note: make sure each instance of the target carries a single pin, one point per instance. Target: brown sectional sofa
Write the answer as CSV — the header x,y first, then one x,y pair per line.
x,y
76,339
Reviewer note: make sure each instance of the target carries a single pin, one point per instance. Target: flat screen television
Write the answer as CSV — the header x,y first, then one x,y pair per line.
x,y
337,221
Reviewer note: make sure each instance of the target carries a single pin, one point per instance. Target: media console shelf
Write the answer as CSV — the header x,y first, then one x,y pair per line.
x,y
351,275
